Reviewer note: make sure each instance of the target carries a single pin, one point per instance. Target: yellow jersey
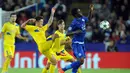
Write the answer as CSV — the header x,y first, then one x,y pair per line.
x,y
10,31
62,37
37,33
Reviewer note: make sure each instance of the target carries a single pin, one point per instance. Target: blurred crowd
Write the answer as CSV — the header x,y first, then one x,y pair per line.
x,y
117,12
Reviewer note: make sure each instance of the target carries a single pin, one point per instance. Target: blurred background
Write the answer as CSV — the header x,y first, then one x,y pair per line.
x,y
116,39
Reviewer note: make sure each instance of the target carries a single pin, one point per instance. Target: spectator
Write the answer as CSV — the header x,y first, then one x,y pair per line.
x,y
89,33
112,47
22,18
104,13
61,10
128,25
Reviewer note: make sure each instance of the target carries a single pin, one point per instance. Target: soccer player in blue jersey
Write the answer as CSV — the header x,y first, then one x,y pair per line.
x,y
78,30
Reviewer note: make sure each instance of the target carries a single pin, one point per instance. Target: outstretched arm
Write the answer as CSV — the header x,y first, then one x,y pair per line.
x,y
24,24
73,32
21,37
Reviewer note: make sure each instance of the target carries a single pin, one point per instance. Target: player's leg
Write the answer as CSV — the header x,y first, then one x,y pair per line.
x,y
45,70
9,54
49,53
79,54
69,58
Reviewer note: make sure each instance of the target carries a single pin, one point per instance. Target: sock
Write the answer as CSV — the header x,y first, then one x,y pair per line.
x,y
44,70
52,68
79,70
75,64
74,70
5,65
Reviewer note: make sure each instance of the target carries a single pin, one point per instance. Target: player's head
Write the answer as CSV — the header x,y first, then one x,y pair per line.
x,y
61,24
76,12
39,20
13,17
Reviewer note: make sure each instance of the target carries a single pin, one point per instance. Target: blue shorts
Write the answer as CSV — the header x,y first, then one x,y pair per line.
x,y
78,50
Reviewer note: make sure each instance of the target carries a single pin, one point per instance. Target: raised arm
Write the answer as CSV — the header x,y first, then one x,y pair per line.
x,y
91,7
51,16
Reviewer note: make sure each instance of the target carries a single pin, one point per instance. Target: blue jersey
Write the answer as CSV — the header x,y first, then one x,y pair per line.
x,y
78,24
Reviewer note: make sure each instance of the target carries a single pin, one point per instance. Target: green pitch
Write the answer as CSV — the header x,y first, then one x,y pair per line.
x,y
37,70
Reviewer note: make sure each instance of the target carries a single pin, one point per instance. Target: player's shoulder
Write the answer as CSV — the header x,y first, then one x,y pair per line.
x,y
16,24
6,23
31,26
73,22
84,18
56,32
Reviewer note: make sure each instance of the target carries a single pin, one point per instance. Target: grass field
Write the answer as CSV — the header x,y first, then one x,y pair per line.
x,y
37,70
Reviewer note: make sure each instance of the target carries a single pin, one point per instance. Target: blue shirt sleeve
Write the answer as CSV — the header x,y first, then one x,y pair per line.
x,y
72,26
86,19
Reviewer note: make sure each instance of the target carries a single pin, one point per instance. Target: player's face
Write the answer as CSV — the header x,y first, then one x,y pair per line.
x,y
61,26
13,18
40,22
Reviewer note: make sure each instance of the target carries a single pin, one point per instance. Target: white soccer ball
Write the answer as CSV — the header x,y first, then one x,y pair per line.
x,y
104,25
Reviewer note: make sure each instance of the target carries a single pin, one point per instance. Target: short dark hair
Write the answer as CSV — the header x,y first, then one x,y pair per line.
x,y
74,11
12,14
60,21
38,18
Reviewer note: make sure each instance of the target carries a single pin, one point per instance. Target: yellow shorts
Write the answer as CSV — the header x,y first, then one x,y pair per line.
x,y
66,57
9,50
44,48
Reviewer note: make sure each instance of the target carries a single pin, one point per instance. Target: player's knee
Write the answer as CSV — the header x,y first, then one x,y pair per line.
x,y
70,60
53,60
48,66
82,61
9,57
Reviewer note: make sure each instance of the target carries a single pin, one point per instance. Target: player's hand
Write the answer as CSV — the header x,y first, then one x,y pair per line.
x,y
53,10
25,39
91,7
68,40
32,20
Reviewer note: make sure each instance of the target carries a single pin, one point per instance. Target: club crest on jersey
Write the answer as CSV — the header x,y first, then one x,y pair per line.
x,y
36,30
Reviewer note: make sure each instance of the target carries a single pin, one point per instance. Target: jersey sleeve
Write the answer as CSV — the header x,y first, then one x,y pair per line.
x,y
29,27
45,27
3,28
86,19
18,30
71,27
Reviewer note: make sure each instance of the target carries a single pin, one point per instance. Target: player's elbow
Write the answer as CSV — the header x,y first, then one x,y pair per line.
x,y
22,26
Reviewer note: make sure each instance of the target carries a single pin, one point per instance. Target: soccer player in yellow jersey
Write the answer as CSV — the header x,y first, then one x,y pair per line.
x,y
61,53
38,34
10,30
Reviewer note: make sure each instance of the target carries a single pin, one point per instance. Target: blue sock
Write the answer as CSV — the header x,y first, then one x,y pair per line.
x,y
74,65
74,70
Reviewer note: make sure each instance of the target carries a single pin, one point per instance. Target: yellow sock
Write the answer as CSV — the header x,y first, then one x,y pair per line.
x,y
5,65
52,68
79,70
44,70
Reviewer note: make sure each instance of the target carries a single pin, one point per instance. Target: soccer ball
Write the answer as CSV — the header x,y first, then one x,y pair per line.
x,y
104,25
